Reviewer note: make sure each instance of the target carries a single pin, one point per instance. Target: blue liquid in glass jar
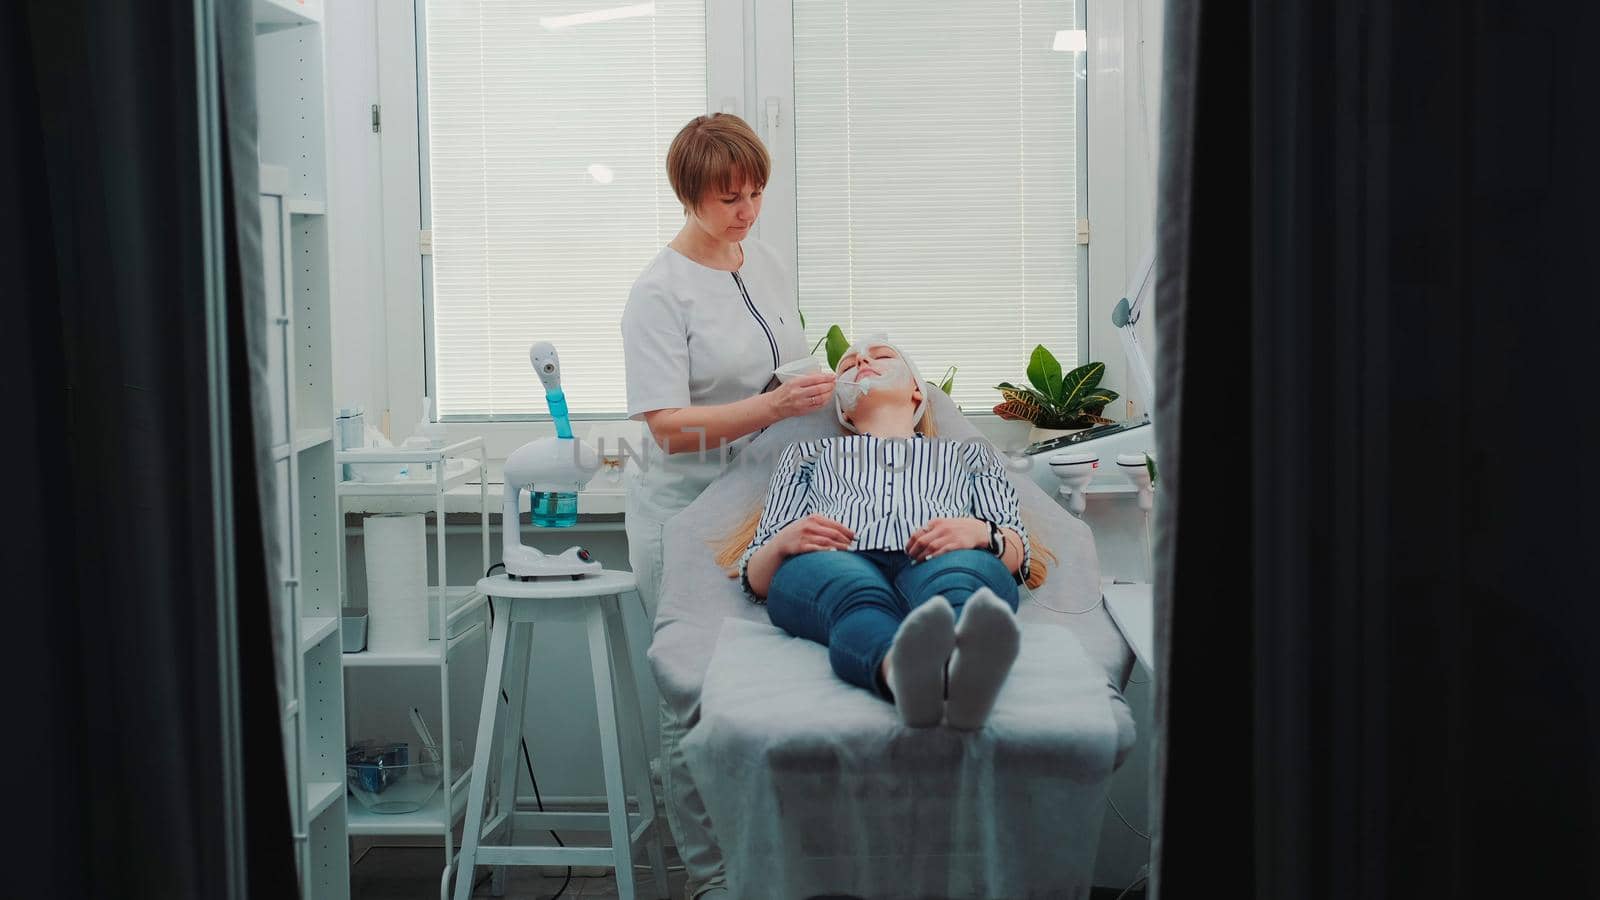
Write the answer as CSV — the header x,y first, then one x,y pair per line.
x,y
554,509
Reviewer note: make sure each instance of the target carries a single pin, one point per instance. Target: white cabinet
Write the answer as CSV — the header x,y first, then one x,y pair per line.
x,y
291,110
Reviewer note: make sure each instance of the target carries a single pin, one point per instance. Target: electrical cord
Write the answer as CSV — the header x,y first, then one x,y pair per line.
x,y
486,573
1124,818
1136,883
1071,612
527,760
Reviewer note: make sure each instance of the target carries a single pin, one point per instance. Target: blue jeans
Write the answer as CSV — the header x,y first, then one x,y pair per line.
x,y
853,602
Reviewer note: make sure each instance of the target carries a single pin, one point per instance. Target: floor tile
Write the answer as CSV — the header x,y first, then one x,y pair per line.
x,y
412,873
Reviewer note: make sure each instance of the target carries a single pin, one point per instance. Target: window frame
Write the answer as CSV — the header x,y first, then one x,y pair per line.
x,y
749,60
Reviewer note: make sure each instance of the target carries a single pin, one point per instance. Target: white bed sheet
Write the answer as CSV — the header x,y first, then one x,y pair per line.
x,y
817,788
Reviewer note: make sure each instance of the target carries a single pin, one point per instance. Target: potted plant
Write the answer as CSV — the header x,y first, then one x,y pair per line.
x,y
1057,403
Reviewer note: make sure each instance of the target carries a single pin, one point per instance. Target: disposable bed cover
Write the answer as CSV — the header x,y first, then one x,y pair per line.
x,y
817,788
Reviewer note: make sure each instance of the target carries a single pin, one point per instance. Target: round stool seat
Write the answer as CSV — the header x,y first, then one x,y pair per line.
x,y
603,584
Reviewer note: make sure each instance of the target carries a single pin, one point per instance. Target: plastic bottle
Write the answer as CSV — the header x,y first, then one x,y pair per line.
x,y
435,432
426,435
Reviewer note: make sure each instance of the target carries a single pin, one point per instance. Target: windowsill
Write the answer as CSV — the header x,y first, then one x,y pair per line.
x,y
608,498
595,501
502,438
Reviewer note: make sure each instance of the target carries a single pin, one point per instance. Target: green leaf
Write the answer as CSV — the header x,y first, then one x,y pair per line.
x,y
1025,394
949,380
837,345
1091,373
1079,383
802,317
1150,465
1016,410
1096,397
1045,373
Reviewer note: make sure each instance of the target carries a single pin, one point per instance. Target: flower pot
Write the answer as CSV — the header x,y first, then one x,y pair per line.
x,y
1037,434
1010,435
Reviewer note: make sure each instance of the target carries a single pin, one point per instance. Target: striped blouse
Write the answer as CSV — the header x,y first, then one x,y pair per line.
x,y
884,489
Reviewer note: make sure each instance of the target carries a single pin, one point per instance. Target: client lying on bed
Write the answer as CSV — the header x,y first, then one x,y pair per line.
x,y
935,549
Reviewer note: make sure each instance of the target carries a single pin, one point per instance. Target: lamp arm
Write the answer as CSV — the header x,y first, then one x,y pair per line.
x,y
1143,278
1138,367
1126,317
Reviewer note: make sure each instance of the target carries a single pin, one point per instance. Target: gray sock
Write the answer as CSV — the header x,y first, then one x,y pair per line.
x,y
986,646
916,662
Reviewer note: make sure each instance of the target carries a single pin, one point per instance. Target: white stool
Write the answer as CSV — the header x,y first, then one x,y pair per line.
x,y
517,605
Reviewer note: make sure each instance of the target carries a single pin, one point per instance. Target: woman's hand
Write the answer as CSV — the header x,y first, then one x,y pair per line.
x,y
814,532
943,535
802,395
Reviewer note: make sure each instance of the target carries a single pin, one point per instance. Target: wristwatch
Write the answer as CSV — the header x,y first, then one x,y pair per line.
x,y
997,540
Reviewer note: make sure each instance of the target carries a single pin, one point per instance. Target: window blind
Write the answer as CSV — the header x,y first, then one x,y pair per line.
x,y
548,127
936,181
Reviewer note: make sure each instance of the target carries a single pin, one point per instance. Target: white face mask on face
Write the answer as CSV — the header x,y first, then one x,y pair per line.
x,y
854,384
847,393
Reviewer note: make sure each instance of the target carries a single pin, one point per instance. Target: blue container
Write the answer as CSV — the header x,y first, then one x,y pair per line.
x,y
553,509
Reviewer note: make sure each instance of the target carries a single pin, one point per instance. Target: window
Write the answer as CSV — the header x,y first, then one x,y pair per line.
x,y
927,178
548,126
936,181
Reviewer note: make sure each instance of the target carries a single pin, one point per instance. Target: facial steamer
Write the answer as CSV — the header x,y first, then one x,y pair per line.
x,y
554,469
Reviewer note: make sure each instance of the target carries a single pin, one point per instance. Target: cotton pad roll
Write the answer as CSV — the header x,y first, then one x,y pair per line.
x,y
395,547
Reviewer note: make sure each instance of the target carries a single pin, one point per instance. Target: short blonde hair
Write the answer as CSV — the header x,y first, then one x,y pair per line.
x,y
710,152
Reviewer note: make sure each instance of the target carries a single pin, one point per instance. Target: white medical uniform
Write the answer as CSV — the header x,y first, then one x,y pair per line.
x,y
695,336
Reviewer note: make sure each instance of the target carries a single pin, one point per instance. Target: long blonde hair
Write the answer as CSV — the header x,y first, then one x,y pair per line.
x,y
731,547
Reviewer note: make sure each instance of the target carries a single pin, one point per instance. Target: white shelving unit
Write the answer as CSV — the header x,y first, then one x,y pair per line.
x,y
463,612
290,116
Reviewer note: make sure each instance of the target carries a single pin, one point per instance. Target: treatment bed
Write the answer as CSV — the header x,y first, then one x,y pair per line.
x,y
812,787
